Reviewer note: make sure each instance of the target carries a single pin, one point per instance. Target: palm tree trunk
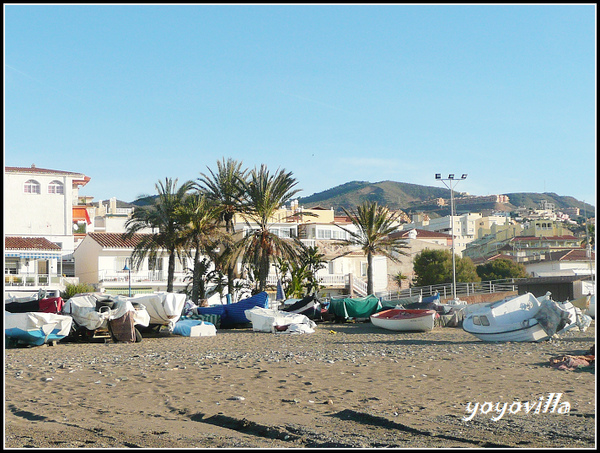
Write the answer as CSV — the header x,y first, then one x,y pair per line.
x,y
196,275
369,273
171,271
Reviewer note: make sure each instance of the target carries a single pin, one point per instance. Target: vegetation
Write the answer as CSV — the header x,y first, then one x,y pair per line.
x,y
202,235
415,197
264,194
374,223
500,269
71,290
163,216
434,267
225,188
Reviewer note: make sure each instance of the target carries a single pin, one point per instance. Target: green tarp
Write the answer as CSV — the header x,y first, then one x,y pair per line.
x,y
357,307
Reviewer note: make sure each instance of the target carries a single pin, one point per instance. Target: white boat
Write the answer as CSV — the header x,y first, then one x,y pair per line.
x,y
523,318
93,311
404,320
163,308
36,328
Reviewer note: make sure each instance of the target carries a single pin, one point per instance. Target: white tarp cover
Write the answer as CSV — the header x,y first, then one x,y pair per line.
x,y
164,308
83,310
44,323
266,319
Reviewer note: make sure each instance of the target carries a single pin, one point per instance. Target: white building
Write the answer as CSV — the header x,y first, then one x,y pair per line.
x,y
466,226
100,261
42,203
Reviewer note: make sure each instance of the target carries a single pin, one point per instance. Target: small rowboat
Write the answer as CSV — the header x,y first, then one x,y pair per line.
x,y
405,319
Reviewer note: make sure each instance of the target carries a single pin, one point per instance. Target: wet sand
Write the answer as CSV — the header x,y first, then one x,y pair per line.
x,y
345,386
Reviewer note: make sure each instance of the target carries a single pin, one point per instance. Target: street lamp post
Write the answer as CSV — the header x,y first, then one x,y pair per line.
x,y
126,268
452,182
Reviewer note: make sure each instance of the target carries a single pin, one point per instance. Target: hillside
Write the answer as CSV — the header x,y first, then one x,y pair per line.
x,y
417,198
414,198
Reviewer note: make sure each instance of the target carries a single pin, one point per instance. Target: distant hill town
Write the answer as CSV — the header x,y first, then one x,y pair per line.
x,y
435,201
413,198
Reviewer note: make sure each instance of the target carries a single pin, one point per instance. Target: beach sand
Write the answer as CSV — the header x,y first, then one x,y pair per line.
x,y
343,386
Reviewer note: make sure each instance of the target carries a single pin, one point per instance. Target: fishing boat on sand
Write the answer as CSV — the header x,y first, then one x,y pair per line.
x,y
523,318
36,328
404,320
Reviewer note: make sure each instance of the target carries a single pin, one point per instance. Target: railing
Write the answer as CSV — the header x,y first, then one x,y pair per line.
x,y
139,277
328,280
462,289
37,280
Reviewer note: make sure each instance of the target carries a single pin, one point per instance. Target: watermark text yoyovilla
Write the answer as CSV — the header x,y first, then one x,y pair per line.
x,y
544,405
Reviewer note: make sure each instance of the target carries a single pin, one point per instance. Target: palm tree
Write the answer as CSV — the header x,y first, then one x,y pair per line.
x,y
373,223
313,261
264,195
203,236
226,189
163,216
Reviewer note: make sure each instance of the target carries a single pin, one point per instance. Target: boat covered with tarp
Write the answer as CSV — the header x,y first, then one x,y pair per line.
x,y
355,307
524,318
35,328
232,315
308,306
164,309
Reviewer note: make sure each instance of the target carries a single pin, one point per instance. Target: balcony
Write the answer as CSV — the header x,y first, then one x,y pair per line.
x,y
145,277
30,281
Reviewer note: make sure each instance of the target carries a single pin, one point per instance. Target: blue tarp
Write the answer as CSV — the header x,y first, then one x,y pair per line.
x,y
232,314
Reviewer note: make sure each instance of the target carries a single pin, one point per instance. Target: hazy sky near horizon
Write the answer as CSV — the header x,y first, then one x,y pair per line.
x,y
132,94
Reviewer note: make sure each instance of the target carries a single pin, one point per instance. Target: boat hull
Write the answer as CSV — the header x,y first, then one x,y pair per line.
x,y
35,328
516,319
404,320
517,332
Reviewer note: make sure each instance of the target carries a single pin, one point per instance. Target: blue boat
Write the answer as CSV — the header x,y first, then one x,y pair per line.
x,y
36,328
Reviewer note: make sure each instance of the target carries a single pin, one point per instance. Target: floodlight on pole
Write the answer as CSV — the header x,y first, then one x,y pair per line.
x,y
451,186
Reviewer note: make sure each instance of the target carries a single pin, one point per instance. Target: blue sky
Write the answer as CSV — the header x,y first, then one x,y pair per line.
x,y
132,94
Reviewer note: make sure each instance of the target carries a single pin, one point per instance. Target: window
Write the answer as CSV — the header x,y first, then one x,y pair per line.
x,y
11,267
31,186
155,265
323,234
363,269
56,187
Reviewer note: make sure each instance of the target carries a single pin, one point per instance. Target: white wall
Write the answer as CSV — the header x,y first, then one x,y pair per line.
x,y
46,215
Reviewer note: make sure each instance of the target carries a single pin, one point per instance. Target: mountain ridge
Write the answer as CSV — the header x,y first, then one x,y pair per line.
x,y
417,198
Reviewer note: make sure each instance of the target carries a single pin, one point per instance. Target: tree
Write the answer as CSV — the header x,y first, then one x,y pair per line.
x,y
264,195
225,188
312,261
374,224
434,267
202,235
163,216
501,269
399,278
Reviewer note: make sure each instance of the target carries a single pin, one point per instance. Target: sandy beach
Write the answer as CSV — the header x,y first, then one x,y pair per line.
x,y
349,385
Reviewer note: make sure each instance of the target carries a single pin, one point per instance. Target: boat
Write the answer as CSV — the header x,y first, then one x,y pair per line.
x,y
163,308
308,306
35,328
400,319
522,318
357,307
95,314
233,315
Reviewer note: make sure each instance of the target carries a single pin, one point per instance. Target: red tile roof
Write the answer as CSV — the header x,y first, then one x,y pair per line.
x,y
29,243
33,169
116,240
421,234
567,237
79,179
